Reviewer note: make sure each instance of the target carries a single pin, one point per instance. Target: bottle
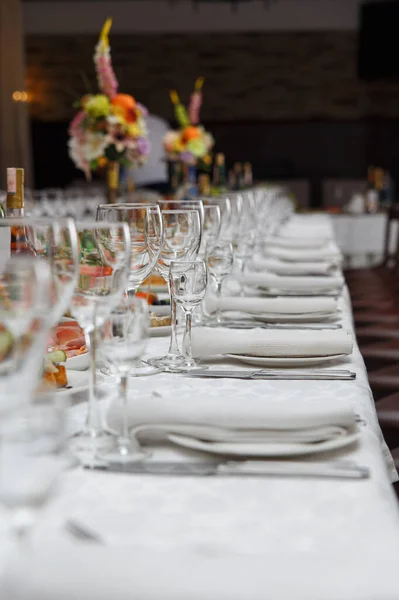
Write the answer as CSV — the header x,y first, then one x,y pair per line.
x,y
14,209
372,197
204,186
238,171
219,172
248,179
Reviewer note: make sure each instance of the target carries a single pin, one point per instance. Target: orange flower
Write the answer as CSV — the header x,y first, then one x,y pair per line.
x,y
190,133
126,106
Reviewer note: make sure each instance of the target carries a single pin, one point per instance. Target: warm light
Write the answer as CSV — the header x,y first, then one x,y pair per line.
x,y
19,96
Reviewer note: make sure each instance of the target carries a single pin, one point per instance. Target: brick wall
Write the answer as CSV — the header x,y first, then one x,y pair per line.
x,y
257,77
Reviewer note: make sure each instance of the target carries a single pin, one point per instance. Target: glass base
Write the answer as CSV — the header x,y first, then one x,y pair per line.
x,y
142,369
86,445
167,362
124,454
193,365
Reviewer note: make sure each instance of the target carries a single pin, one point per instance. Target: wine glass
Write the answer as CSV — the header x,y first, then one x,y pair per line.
x,y
25,284
104,266
188,281
219,259
124,339
211,226
226,213
182,239
54,241
146,235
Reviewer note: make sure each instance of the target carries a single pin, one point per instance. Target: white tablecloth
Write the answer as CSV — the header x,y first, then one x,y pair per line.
x,y
361,238
227,538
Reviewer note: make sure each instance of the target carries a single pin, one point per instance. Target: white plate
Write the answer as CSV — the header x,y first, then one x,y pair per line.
x,y
300,292
299,318
160,331
78,363
264,450
267,361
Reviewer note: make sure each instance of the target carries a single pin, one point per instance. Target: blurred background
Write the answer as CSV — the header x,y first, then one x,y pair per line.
x,y
306,90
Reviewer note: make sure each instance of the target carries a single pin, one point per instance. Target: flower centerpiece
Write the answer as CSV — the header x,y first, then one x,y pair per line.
x,y
109,129
191,143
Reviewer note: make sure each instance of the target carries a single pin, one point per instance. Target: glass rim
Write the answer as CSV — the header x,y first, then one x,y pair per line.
x,y
179,202
126,205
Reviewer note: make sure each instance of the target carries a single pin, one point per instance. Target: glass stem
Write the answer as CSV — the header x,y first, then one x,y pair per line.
x,y
187,341
93,420
242,269
123,389
173,347
218,298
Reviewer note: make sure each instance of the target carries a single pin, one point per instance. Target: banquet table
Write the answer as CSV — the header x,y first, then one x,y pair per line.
x,y
187,538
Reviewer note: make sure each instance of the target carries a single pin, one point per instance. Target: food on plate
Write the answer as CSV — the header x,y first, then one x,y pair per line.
x,y
54,373
159,320
155,279
6,343
69,337
151,298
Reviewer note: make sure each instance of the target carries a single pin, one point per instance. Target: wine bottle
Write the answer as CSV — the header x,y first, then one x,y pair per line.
x,y
248,179
204,187
15,208
219,172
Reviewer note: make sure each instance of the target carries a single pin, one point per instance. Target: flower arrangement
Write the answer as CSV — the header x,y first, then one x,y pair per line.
x,y
109,127
191,142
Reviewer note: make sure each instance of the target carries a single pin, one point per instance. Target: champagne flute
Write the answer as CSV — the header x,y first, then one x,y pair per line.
x,y
146,236
182,239
219,259
124,339
188,281
104,266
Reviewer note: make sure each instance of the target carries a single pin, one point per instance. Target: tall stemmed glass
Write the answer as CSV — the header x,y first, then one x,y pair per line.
x,y
104,265
210,234
146,236
124,339
182,239
219,259
188,281
54,241
25,284
226,215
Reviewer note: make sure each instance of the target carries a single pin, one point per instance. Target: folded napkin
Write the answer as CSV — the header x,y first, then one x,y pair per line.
x,y
271,342
298,242
328,252
292,283
278,306
281,267
236,418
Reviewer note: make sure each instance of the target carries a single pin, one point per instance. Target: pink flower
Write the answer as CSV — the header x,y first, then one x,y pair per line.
x,y
75,127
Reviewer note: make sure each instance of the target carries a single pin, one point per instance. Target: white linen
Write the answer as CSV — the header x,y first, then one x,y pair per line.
x,y
292,283
229,419
329,252
277,306
208,341
281,267
171,538
309,242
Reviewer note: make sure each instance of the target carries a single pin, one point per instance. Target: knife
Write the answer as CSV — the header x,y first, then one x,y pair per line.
x,y
269,374
250,468
262,325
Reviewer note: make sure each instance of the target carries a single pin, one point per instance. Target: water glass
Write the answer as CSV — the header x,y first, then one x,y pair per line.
x,y
219,259
188,281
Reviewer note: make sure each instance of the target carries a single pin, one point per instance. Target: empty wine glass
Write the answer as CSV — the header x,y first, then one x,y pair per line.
x,y
188,281
211,226
25,284
124,339
243,251
104,265
219,259
146,236
182,239
54,241
226,215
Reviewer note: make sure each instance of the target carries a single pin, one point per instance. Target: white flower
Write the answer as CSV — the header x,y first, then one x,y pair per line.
x,y
93,145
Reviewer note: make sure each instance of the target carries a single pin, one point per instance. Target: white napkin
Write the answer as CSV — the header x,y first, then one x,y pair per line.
x,y
235,419
278,306
292,284
281,267
271,342
298,242
329,252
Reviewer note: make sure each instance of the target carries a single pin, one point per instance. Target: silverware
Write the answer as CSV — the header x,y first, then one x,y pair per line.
x,y
282,374
262,325
82,532
250,468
